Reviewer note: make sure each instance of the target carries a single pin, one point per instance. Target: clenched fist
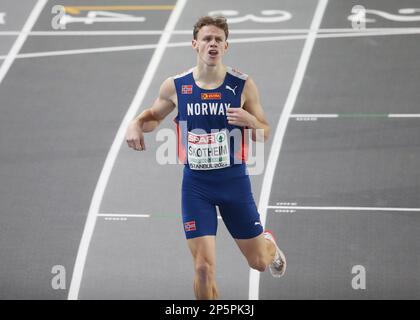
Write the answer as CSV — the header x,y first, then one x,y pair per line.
x,y
240,117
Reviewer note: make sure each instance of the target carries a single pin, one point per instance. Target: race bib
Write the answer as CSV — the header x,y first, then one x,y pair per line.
x,y
208,151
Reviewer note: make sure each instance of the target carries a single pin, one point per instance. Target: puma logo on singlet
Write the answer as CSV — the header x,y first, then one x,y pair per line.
x,y
230,88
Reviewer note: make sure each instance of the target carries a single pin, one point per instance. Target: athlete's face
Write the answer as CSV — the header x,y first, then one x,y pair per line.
x,y
210,45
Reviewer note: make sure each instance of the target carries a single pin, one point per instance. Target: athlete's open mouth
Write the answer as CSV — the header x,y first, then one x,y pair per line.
x,y
213,53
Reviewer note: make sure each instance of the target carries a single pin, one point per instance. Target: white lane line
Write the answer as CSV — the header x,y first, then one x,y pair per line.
x,y
116,215
366,30
188,32
314,115
123,215
254,276
113,152
142,47
147,32
20,40
86,51
397,209
268,39
367,34
188,43
404,115
349,115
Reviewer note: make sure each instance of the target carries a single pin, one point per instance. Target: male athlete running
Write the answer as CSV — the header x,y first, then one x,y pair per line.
x,y
213,101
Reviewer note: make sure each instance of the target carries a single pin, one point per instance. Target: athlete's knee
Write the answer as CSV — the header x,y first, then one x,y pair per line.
x,y
204,269
258,263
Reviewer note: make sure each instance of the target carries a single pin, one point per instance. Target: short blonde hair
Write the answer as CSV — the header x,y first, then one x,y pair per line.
x,y
219,22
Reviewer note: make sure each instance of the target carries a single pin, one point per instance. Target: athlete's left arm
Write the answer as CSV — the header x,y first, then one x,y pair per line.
x,y
251,115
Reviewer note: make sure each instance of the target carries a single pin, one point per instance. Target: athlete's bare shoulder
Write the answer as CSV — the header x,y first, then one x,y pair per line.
x,y
250,84
167,90
250,94
182,74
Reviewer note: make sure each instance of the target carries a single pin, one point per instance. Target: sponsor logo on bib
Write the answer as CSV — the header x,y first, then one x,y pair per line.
x,y
208,151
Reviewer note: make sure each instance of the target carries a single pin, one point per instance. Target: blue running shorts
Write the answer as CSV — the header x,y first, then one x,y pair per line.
x,y
230,190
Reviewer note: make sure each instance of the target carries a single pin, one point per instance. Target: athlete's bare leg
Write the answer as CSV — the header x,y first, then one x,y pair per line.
x,y
203,250
258,251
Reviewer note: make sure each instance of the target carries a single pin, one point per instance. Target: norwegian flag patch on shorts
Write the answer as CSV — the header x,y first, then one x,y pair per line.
x,y
190,226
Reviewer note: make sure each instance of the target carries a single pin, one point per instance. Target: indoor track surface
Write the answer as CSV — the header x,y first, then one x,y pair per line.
x,y
339,183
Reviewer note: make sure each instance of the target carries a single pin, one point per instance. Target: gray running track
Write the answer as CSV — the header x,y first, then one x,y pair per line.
x,y
60,115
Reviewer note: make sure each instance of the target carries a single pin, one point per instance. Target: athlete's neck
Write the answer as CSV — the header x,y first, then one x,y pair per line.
x,y
211,76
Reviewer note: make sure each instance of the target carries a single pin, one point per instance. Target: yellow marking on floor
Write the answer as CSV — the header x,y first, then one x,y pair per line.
x,y
78,9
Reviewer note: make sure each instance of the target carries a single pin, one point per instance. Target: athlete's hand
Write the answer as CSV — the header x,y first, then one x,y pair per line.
x,y
240,117
135,137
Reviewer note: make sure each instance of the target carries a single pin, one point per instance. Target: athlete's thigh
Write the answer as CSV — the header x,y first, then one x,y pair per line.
x,y
198,212
239,211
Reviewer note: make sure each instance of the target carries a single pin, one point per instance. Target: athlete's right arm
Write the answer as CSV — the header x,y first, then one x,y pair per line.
x,y
150,118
